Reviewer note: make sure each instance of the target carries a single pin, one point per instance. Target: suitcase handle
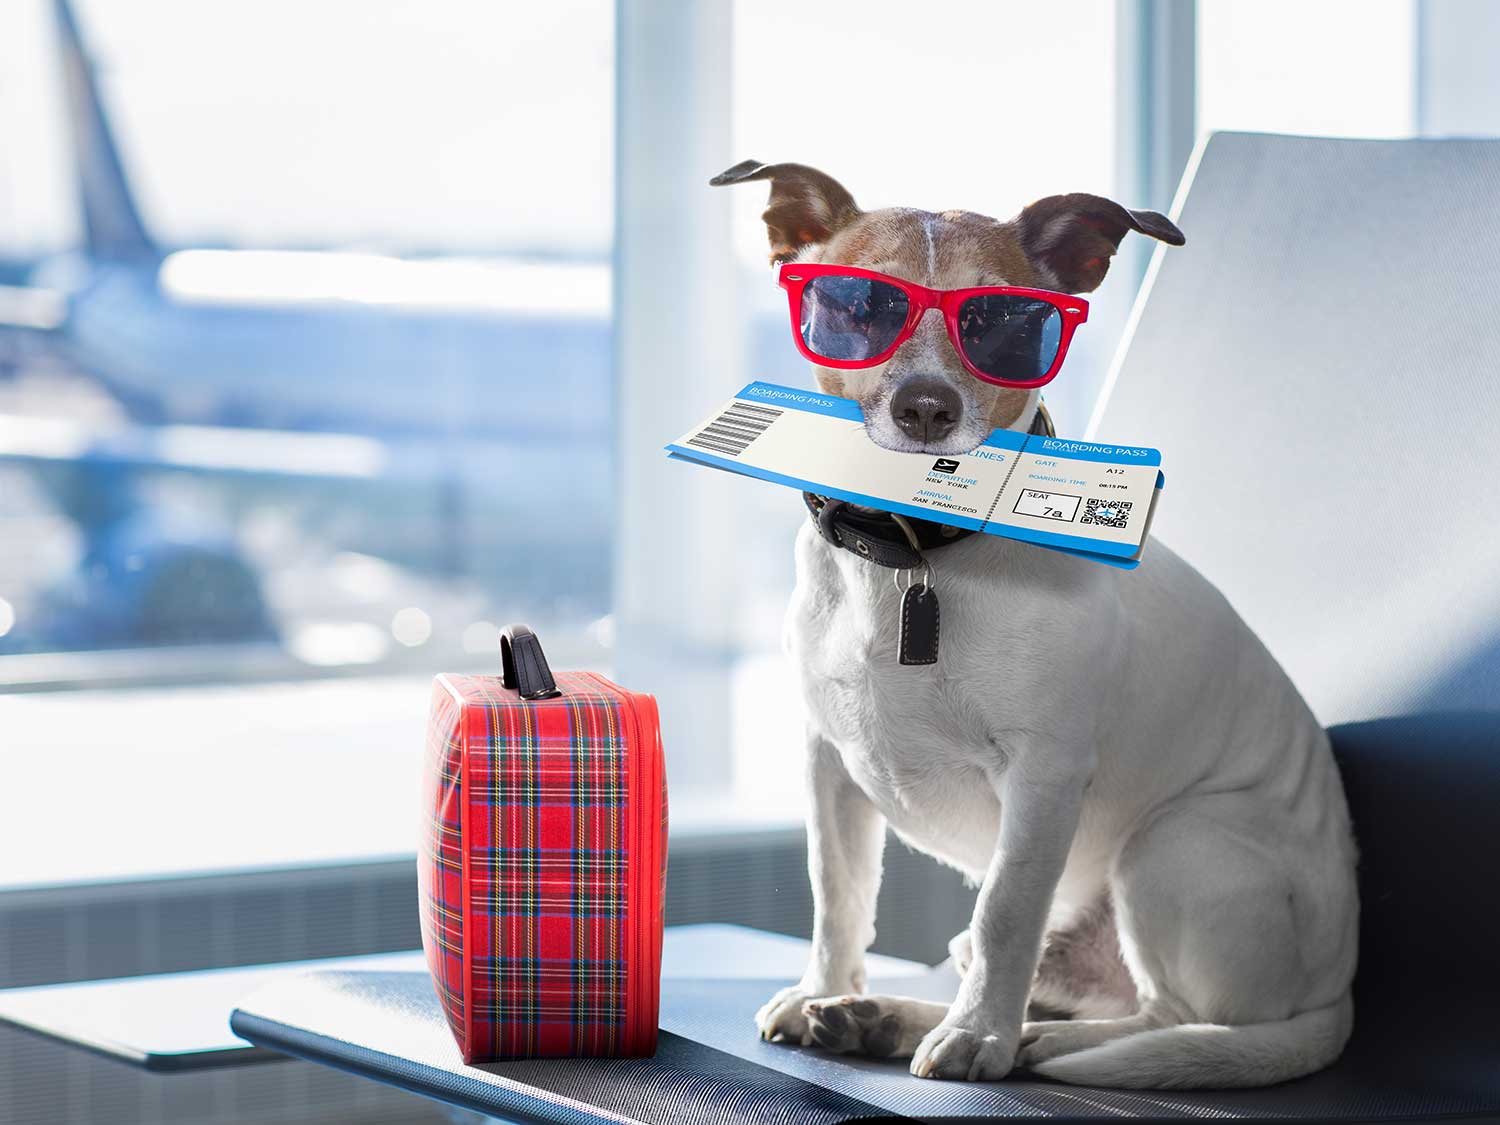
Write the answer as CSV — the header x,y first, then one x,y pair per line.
x,y
523,665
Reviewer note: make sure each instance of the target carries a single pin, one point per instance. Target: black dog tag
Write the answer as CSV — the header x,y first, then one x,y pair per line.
x,y
918,643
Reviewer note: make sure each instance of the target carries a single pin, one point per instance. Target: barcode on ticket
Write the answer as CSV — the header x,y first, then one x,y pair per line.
x,y
732,432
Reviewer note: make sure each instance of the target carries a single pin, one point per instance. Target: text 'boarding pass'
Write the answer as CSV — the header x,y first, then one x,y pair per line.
x,y
1089,498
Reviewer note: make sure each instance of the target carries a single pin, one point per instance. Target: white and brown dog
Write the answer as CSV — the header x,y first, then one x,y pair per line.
x,y
1152,812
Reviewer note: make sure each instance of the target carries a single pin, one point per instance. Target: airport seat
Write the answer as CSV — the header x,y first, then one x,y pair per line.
x,y
1317,366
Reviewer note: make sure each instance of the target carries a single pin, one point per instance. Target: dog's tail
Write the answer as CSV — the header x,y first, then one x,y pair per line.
x,y
1211,1055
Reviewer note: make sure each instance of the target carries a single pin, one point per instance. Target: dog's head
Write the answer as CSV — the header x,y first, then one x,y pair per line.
x,y
922,399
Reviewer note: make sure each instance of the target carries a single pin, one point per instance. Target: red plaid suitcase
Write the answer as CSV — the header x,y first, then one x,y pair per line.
x,y
543,858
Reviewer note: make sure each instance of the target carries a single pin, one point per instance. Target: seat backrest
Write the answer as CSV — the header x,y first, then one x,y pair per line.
x,y
1320,366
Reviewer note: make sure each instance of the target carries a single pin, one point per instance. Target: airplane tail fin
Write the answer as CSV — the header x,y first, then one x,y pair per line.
x,y
112,224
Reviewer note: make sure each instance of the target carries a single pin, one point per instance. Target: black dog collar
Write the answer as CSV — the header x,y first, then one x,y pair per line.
x,y
880,537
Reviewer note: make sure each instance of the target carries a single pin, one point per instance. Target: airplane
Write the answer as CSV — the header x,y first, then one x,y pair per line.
x,y
460,406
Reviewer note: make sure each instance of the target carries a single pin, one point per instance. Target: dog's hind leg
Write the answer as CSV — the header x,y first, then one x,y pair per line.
x,y
1240,927
881,1026
1046,1039
1081,973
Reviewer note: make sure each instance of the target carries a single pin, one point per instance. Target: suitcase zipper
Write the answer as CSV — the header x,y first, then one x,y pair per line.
x,y
653,830
638,935
649,923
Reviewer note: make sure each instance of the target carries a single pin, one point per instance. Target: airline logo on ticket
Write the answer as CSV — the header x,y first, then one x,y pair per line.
x,y
1089,498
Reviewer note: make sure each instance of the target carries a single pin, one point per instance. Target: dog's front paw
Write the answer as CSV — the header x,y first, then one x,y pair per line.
x,y
780,1019
949,1051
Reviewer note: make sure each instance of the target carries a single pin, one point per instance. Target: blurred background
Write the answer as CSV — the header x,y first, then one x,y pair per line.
x,y
336,335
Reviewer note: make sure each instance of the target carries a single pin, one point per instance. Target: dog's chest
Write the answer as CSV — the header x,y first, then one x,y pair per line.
x,y
907,734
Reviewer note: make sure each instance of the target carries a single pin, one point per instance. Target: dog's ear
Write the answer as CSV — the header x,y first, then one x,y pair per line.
x,y
1073,237
806,205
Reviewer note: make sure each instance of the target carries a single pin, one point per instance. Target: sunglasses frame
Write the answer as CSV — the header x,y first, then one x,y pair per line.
x,y
794,276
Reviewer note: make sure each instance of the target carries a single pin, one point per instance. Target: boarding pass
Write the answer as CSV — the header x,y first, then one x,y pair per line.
x,y
1094,499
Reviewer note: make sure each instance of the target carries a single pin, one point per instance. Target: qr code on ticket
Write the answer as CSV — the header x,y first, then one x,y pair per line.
x,y
1106,513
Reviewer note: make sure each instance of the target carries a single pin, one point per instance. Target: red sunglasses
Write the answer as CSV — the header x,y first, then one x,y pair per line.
x,y
846,317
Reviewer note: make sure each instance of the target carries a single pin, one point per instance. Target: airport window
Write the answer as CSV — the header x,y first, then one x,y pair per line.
x,y
299,307
1265,68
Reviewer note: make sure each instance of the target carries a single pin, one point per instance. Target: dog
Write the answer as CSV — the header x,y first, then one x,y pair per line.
x,y
1152,813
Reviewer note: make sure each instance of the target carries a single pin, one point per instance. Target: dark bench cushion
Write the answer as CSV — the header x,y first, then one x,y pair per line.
x,y
1424,791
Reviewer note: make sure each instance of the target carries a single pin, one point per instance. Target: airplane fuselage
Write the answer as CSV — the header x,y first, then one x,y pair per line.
x,y
380,361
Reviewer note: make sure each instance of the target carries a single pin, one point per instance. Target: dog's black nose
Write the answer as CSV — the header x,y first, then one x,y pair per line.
x,y
926,408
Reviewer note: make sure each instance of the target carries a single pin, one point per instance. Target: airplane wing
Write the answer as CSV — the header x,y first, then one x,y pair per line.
x,y
217,450
77,460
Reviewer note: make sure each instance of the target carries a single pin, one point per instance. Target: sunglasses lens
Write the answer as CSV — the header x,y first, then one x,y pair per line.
x,y
851,318
1010,337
